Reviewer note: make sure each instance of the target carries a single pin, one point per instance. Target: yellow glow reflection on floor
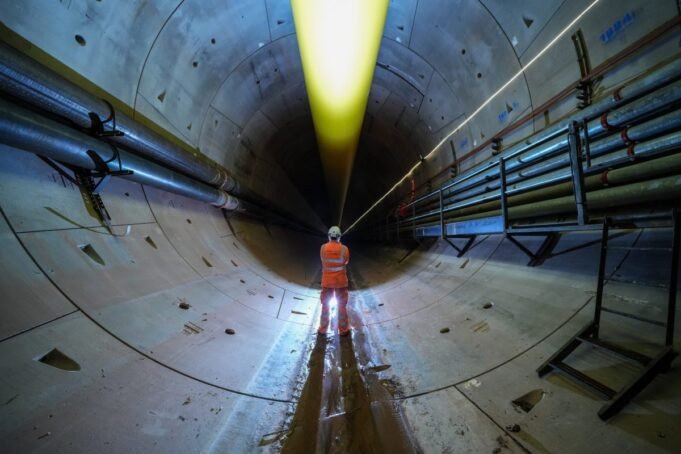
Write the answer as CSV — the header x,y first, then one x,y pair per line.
x,y
339,42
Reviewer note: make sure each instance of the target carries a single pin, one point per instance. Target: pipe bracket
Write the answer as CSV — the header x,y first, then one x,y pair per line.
x,y
604,122
97,124
227,202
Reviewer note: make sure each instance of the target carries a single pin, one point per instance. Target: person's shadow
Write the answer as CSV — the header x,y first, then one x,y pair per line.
x,y
302,433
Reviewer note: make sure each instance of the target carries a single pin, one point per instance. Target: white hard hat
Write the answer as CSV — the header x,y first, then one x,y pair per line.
x,y
335,232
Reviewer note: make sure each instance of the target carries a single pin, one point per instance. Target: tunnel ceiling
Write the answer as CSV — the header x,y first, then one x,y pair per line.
x,y
226,78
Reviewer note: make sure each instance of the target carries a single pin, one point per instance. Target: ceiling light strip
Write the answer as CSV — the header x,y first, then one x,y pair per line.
x,y
477,111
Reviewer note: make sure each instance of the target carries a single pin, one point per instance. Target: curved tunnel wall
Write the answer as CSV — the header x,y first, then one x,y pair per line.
x,y
225,77
112,303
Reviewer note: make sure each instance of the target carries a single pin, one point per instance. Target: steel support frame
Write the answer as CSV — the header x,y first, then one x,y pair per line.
x,y
504,194
673,278
575,150
575,142
586,141
443,227
538,257
585,86
543,251
590,335
461,250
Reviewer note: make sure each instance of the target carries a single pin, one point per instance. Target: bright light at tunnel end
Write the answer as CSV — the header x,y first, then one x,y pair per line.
x,y
339,42
475,112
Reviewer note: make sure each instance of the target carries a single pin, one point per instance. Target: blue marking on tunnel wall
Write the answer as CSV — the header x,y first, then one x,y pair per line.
x,y
463,143
503,116
617,26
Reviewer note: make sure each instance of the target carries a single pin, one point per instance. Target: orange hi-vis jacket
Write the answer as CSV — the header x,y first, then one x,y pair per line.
x,y
335,258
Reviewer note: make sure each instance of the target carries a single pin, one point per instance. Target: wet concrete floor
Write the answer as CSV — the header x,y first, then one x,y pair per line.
x,y
343,406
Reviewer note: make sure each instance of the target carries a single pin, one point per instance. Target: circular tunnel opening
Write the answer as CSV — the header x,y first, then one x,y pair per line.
x,y
193,328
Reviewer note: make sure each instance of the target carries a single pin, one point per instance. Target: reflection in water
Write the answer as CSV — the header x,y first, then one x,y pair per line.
x,y
344,407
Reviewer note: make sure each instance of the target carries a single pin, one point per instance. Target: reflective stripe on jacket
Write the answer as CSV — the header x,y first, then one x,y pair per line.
x,y
335,258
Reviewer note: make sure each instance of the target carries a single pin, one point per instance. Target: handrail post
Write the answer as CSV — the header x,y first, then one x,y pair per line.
x,y
575,150
443,232
504,201
673,282
586,142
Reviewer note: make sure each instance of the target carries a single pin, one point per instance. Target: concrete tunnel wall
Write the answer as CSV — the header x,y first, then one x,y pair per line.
x,y
155,377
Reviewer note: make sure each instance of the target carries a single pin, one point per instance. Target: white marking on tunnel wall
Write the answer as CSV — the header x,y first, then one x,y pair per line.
x,y
477,111
472,383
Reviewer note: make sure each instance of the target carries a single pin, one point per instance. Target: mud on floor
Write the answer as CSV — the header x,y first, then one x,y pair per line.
x,y
345,407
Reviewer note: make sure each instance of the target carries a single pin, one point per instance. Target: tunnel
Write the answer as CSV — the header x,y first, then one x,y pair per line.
x,y
512,217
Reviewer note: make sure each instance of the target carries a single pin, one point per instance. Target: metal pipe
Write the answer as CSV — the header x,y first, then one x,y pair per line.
x,y
660,77
551,135
659,189
601,69
646,149
644,171
37,85
26,130
625,115
549,159
554,170
667,188
640,132
614,119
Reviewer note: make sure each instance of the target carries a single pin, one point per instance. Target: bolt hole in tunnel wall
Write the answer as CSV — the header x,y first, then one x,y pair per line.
x,y
193,331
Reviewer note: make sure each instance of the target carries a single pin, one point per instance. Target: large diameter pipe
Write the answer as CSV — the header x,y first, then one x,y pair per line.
x,y
613,120
655,78
551,139
627,137
488,196
649,170
35,84
25,130
634,171
556,169
646,149
659,189
617,118
667,188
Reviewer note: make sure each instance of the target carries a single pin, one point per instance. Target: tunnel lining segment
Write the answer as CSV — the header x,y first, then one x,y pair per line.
x,y
125,343
173,242
599,71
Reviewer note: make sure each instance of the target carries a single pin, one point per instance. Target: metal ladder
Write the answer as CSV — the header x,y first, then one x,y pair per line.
x,y
650,366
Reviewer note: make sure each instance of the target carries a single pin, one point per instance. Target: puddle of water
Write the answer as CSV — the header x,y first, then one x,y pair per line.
x,y
344,406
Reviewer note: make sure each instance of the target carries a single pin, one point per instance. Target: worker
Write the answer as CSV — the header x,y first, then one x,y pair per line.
x,y
335,257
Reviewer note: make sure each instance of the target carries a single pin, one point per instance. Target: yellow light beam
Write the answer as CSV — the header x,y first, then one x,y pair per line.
x,y
339,42
475,113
